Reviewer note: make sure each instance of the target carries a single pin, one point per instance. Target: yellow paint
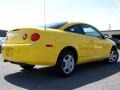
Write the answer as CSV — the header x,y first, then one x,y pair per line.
x,y
35,52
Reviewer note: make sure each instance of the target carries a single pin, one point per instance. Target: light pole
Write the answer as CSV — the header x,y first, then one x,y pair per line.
x,y
109,27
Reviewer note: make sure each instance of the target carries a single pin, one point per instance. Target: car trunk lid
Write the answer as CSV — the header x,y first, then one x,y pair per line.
x,y
22,36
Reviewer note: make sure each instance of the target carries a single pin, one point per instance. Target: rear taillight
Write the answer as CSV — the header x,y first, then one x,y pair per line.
x,y
25,36
35,36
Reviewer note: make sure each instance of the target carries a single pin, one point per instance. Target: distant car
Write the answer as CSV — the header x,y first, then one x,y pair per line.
x,y
2,40
0,46
117,42
63,45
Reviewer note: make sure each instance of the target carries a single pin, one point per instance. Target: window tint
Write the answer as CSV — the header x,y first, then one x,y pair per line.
x,y
55,25
91,31
75,29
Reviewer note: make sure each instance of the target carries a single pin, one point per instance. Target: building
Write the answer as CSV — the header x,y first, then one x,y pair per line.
x,y
2,36
112,33
3,33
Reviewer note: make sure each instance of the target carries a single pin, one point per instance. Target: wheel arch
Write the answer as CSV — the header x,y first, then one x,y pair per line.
x,y
114,47
69,48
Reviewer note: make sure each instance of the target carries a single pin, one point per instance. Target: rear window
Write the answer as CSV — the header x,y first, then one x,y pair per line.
x,y
55,25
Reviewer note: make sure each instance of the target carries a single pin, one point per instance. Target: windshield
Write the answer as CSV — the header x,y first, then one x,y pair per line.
x,y
55,25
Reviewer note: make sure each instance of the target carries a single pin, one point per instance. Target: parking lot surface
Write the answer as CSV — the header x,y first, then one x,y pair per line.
x,y
93,76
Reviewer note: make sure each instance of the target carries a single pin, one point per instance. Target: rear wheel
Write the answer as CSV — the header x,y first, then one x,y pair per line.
x,y
66,63
113,56
27,66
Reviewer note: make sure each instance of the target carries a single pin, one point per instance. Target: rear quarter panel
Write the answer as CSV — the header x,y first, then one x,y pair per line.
x,y
48,54
61,39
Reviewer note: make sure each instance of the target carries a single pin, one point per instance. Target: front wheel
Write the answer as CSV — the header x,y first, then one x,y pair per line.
x,y
66,63
113,56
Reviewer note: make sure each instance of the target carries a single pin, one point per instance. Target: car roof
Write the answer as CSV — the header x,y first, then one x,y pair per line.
x,y
70,24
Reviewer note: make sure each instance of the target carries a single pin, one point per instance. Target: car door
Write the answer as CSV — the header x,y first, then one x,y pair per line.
x,y
80,41
98,46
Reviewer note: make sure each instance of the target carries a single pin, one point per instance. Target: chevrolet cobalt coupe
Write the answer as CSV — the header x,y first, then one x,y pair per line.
x,y
63,45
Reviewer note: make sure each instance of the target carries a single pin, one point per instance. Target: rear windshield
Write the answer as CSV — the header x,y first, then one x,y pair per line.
x,y
55,25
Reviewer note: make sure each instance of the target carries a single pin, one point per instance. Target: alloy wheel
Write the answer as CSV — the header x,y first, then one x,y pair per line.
x,y
68,64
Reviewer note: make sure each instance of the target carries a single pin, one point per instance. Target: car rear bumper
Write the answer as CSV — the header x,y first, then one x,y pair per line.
x,y
29,54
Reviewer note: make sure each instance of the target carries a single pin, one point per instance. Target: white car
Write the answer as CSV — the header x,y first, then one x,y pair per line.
x,y
2,40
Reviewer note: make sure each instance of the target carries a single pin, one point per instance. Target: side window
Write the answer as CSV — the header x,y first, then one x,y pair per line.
x,y
91,31
75,29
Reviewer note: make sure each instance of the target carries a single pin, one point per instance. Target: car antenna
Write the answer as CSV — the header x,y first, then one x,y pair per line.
x,y
110,30
44,16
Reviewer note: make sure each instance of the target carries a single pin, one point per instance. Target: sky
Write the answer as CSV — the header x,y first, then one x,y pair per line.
x,y
30,13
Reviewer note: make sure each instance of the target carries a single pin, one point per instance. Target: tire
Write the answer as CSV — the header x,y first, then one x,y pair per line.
x,y
27,66
66,63
113,56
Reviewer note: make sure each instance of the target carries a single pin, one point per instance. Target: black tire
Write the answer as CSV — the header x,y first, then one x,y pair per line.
x,y
66,63
113,56
27,66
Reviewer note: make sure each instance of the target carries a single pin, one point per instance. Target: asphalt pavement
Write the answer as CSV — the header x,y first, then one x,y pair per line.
x,y
93,76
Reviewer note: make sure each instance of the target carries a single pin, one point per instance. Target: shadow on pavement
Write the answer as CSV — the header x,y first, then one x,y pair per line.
x,y
44,78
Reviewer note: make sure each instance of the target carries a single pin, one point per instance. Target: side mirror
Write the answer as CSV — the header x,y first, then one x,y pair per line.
x,y
106,35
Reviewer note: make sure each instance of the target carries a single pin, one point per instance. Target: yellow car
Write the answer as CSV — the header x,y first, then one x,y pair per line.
x,y
63,45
